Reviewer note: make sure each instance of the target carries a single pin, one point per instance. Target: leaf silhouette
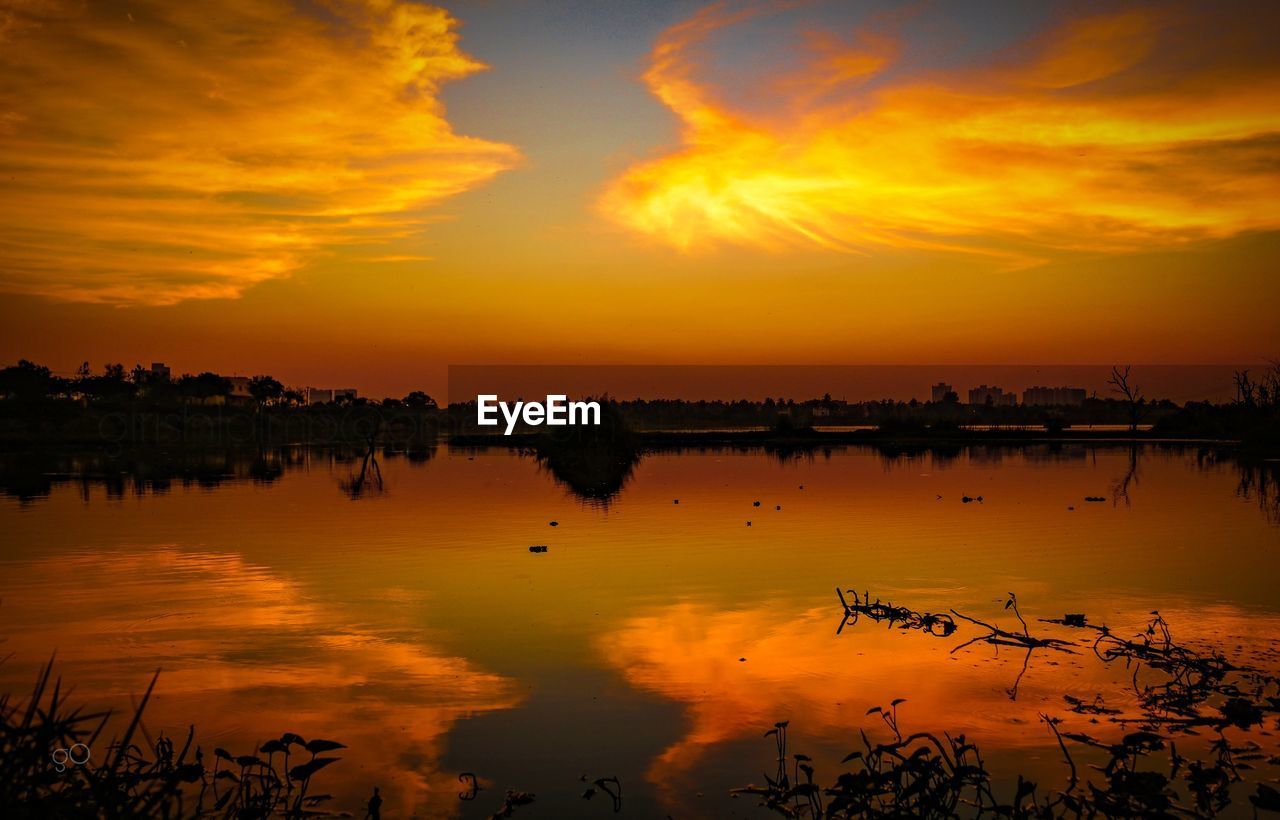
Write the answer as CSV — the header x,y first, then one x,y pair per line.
x,y
305,770
317,746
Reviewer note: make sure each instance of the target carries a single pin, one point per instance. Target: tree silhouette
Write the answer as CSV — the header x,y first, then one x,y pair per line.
x,y
26,380
1132,394
265,390
419,399
204,386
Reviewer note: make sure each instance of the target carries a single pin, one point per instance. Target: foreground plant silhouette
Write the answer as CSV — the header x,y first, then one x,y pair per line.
x,y
141,777
1179,692
924,775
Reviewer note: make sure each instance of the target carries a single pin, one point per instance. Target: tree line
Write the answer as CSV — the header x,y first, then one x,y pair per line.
x,y
29,382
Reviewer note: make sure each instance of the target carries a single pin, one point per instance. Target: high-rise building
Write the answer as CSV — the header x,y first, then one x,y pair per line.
x,y
983,395
938,393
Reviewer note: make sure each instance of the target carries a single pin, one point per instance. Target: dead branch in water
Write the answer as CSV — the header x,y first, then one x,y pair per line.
x,y
1001,637
905,618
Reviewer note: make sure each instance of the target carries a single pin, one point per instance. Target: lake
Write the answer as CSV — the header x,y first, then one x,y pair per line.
x,y
652,641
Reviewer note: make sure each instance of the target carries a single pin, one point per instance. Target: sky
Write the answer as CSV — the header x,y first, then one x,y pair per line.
x,y
363,192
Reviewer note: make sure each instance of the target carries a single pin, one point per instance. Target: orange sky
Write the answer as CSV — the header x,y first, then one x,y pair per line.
x,y
363,191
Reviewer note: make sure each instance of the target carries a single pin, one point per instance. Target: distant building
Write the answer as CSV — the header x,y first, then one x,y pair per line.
x,y
324,395
938,393
160,370
1054,396
827,407
982,395
239,387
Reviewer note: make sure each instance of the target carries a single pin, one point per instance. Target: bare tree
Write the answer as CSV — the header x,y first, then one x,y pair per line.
x,y
1132,394
1268,387
1246,390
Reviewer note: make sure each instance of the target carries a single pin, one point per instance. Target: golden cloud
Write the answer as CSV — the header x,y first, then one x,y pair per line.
x,y
1109,133
157,152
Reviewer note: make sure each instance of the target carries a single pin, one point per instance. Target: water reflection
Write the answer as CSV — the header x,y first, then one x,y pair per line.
x,y
653,642
739,672
595,472
594,463
368,481
1259,480
31,475
247,654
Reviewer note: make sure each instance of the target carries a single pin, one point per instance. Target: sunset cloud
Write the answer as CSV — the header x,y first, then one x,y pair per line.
x,y
155,152
1115,132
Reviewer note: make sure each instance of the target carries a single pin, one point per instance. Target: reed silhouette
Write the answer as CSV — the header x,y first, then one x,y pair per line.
x,y
139,776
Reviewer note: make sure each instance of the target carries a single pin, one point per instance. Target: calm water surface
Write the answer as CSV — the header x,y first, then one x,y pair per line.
x,y
653,641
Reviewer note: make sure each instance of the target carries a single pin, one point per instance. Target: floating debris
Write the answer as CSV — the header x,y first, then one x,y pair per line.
x,y
937,625
755,503
1000,637
555,523
1074,619
538,548
512,801
472,784
1096,707
1094,498
610,786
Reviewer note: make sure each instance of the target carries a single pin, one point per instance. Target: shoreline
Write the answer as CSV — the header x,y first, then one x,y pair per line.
x,y
661,439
